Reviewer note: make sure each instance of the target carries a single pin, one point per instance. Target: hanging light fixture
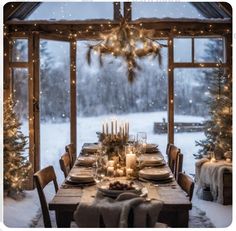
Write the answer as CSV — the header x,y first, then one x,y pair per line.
x,y
128,42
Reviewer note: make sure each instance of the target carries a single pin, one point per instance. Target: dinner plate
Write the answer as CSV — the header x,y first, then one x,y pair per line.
x,y
86,160
160,164
161,181
90,148
81,176
104,188
154,173
76,181
151,158
69,181
151,148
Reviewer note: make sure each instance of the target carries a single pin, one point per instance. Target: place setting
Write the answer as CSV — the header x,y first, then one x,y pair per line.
x,y
80,177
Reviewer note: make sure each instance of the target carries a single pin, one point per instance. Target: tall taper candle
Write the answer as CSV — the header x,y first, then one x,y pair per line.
x,y
112,127
116,127
107,128
103,128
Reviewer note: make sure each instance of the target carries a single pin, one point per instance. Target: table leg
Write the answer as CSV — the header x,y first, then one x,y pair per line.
x,y
183,218
174,218
63,218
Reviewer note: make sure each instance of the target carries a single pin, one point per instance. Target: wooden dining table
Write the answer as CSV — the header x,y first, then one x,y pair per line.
x,y
175,210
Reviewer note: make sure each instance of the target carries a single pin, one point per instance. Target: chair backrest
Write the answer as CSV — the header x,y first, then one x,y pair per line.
x,y
186,183
71,150
65,163
168,151
175,160
41,179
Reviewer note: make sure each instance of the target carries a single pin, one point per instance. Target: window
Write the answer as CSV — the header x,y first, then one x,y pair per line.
x,y
20,97
103,92
205,50
164,10
209,50
19,50
73,11
182,50
54,101
191,93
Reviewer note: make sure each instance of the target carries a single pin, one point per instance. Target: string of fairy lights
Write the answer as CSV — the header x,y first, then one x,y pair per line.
x,y
76,35
93,31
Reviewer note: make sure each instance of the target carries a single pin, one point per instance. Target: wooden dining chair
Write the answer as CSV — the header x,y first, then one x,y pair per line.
x,y
175,160
168,151
186,183
71,150
42,178
65,163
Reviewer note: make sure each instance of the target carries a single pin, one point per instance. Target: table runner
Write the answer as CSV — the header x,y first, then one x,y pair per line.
x,y
128,209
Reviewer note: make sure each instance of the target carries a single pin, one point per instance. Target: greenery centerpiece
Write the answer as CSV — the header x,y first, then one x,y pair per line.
x,y
113,145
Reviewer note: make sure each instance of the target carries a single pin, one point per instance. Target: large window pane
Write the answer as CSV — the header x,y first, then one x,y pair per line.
x,y
164,10
20,50
103,92
191,92
54,101
73,10
20,96
209,50
182,50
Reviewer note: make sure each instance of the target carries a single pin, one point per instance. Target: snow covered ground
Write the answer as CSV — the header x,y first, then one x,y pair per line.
x,y
54,137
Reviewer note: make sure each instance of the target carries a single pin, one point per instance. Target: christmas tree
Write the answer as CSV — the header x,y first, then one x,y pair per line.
x,y
218,129
16,165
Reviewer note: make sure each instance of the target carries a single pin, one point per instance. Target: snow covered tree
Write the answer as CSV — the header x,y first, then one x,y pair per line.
x,y
218,129
16,165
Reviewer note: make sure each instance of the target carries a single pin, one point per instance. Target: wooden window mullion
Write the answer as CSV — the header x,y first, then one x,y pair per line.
x,y
73,105
170,90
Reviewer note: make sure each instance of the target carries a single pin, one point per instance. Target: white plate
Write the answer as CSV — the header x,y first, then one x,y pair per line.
x,y
81,181
86,160
81,177
151,158
154,173
104,188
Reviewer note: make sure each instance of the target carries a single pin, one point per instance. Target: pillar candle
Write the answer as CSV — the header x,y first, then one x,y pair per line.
x,y
111,127
107,128
111,163
131,161
129,171
120,172
116,127
110,171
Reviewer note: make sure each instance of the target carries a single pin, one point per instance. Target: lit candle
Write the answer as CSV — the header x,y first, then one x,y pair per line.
x,y
111,163
131,160
110,171
128,129
107,128
120,172
213,159
111,127
129,171
103,128
116,127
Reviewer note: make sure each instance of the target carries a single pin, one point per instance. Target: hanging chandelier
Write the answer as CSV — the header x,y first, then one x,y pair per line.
x,y
129,42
